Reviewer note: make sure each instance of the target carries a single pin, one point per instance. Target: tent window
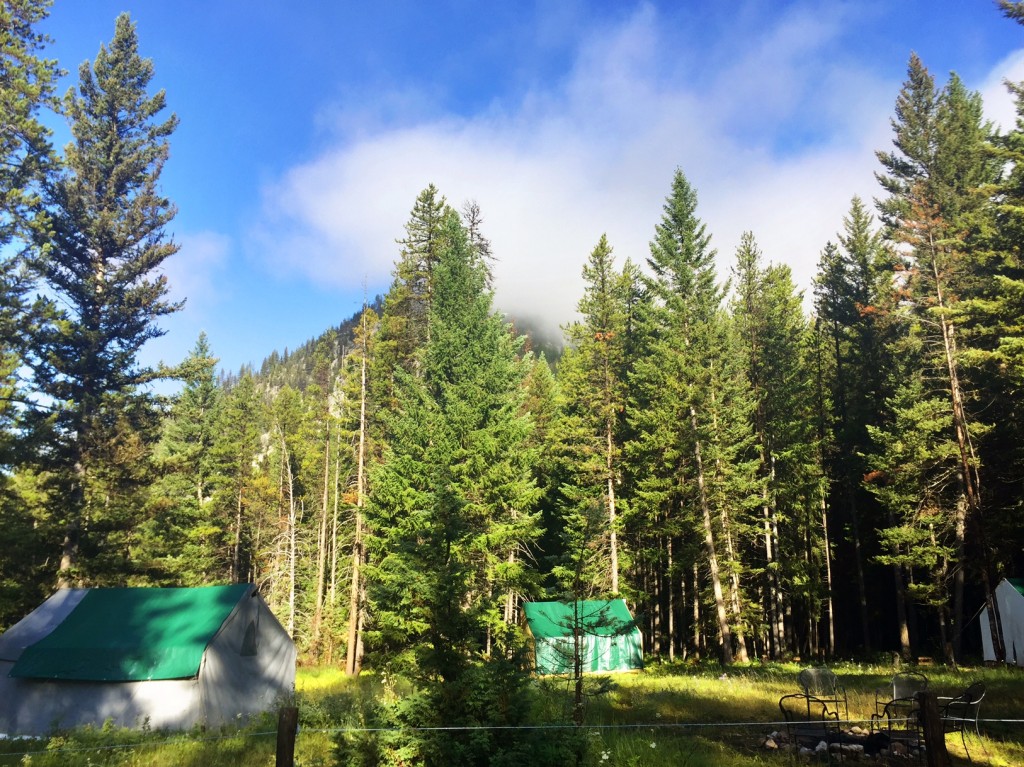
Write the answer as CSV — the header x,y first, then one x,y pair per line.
x,y
249,643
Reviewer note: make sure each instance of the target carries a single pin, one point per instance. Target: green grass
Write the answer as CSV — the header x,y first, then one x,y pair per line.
x,y
669,715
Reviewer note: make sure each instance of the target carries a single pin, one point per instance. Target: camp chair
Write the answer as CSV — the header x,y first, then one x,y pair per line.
x,y
900,694
822,684
900,720
809,721
961,711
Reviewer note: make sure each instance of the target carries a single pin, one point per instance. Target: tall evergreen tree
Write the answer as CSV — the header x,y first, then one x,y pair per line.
x,y
99,262
26,86
451,516
775,341
454,494
355,417
933,176
405,320
854,296
236,454
992,321
190,430
593,379
693,474
184,528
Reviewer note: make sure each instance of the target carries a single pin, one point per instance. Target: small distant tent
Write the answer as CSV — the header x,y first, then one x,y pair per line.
x,y
168,658
1009,618
609,638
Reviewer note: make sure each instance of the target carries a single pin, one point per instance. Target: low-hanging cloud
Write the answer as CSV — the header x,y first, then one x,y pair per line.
x,y
776,141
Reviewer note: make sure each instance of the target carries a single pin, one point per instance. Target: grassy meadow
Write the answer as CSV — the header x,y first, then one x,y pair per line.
x,y
668,715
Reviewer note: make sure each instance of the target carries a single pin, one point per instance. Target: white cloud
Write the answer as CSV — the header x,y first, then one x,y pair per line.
x,y
777,141
999,103
194,270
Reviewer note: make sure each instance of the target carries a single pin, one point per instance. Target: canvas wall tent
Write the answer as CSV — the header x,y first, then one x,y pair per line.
x,y
170,658
1009,598
609,638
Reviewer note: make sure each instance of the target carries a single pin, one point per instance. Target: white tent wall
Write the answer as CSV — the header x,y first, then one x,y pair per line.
x,y
1010,604
38,707
988,651
248,667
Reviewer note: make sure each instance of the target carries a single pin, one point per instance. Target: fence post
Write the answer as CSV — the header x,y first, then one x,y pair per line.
x,y
934,734
287,725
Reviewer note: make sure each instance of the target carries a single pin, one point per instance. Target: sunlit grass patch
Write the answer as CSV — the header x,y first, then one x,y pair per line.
x,y
693,715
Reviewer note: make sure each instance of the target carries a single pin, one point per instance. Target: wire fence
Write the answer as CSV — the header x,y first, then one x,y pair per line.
x,y
755,728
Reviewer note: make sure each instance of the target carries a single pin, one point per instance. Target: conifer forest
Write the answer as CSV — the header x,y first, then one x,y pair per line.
x,y
756,471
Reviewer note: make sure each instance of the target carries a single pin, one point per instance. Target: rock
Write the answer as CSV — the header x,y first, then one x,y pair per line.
x,y
770,744
855,730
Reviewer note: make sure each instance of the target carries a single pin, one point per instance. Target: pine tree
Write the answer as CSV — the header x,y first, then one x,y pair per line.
x,y
183,530
695,474
989,317
913,472
454,494
593,379
356,414
320,456
107,240
26,86
854,298
405,321
933,179
775,343
190,430
235,454
286,415
543,403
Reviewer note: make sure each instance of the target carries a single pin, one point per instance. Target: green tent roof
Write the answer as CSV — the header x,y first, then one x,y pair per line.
x,y
598,617
609,640
132,634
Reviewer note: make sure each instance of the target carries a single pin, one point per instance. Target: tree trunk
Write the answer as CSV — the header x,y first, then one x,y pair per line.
x,y
352,654
73,530
696,613
610,472
292,542
902,624
828,576
236,551
333,591
724,631
734,588
321,551
671,602
858,561
969,480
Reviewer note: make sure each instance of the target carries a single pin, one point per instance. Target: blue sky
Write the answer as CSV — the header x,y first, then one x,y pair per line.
x,y
307,129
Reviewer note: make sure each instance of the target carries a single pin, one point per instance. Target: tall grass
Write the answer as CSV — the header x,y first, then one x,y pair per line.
x,y
668,715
